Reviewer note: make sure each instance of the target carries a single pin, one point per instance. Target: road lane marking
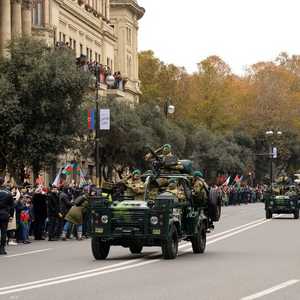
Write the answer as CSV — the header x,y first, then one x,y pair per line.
x,y
71,275
28,253
272,290
230,234
101,271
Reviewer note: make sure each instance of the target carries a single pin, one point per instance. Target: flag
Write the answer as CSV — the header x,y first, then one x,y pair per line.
x,y
56,181
88,118
68,169
82,181
227,181
237,179
91,119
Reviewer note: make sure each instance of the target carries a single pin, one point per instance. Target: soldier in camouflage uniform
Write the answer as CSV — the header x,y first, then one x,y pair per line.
x,y
200,188
168,159
177,190
135,186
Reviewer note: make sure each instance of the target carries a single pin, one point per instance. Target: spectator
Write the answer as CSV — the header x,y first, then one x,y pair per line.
x,y
6,213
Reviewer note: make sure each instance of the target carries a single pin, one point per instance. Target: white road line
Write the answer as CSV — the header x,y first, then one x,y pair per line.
x,y
230,234
97,272
271,290
27,253
71,275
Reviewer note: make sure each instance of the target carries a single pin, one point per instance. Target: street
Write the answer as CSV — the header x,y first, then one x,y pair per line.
x,y
247,257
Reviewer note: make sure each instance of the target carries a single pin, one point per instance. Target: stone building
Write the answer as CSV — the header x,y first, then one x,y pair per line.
x,y
103,31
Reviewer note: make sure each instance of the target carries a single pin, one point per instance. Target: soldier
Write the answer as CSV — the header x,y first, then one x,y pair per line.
x,y
200,188
168,159
135,186
176,190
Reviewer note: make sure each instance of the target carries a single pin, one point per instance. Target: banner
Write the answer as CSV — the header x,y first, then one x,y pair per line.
x,y
104,119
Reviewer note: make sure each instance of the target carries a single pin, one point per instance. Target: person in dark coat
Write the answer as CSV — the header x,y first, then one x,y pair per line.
x,y
39,202
53,214
6,212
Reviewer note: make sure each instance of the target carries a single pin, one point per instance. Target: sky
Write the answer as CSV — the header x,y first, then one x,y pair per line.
x,y
241,32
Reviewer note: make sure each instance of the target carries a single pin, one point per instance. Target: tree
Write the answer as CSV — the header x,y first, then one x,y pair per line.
x,y
45,90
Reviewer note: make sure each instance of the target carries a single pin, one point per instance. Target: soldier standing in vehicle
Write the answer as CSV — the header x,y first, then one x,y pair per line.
x,y
168,159
135,186
200,188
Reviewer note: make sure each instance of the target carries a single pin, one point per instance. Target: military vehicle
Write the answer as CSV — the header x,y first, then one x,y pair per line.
x,y
287,202
162,218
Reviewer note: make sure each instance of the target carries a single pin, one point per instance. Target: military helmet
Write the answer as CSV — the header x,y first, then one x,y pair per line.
x,y
136,172
168,146
198,174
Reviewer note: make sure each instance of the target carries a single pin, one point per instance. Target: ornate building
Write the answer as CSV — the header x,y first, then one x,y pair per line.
x,y
104,31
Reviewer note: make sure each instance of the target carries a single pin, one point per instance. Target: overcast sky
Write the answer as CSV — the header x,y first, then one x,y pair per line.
x,y
241,32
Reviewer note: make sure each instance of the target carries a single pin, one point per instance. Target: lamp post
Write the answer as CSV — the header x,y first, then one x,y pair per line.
x,y
110,81
168,108
272,152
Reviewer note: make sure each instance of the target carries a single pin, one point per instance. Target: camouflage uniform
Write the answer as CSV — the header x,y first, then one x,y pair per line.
x,y
176,190
200,188
135,186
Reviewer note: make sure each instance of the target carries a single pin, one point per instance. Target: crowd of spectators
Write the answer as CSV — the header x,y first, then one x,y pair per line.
x,y
100,71
39,213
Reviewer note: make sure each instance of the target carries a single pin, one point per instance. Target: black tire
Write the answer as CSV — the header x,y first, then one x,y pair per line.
x,y
214,205
268,214
170,247
199,239
296,214
100,249
136,248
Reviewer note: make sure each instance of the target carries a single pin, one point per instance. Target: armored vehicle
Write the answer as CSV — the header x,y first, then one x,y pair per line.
x,y
282,204
167,215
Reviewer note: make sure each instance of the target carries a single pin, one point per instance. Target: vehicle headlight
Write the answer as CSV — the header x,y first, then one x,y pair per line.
x,y
292,203
154,220
271,202
104,219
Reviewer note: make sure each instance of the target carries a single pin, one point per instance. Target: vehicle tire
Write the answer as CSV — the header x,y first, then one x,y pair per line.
x,y
136,248
296,214
269,214
199,239
214,205
170,247
100,249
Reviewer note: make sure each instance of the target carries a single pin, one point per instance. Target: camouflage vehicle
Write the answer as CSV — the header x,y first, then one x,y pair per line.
x,y
163,218
285,203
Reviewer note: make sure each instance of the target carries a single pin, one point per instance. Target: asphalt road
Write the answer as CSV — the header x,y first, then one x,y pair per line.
x,y
247,257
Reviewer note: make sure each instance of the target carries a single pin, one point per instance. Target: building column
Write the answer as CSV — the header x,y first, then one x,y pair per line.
x,y
26,17
5,26
16,19
107,9
46,13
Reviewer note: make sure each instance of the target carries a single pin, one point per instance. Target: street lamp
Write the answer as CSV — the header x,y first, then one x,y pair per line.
x,y
272,152
110,81
168,108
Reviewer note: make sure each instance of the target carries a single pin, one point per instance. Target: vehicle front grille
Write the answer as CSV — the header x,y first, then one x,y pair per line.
x,y
128,220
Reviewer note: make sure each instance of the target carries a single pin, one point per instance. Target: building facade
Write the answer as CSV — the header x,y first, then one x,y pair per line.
x,y
103,31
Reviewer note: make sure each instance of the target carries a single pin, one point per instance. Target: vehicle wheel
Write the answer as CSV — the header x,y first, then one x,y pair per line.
x,y
199,239
170,247
100,248
296,214
268,214
136,248
214,205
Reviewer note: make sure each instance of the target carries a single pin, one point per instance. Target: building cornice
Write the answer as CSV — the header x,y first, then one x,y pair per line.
x,y
131,4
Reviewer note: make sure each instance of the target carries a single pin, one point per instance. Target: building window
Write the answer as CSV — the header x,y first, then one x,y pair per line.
x,y
87,53
91,54
64,38
81,49
74,45
37,14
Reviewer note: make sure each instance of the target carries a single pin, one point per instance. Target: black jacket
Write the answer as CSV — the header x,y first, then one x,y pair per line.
x,y
39,202
64,203
6,205
53,205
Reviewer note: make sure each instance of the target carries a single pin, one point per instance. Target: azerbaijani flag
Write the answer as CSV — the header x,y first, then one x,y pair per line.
x,y
68,169
89,118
